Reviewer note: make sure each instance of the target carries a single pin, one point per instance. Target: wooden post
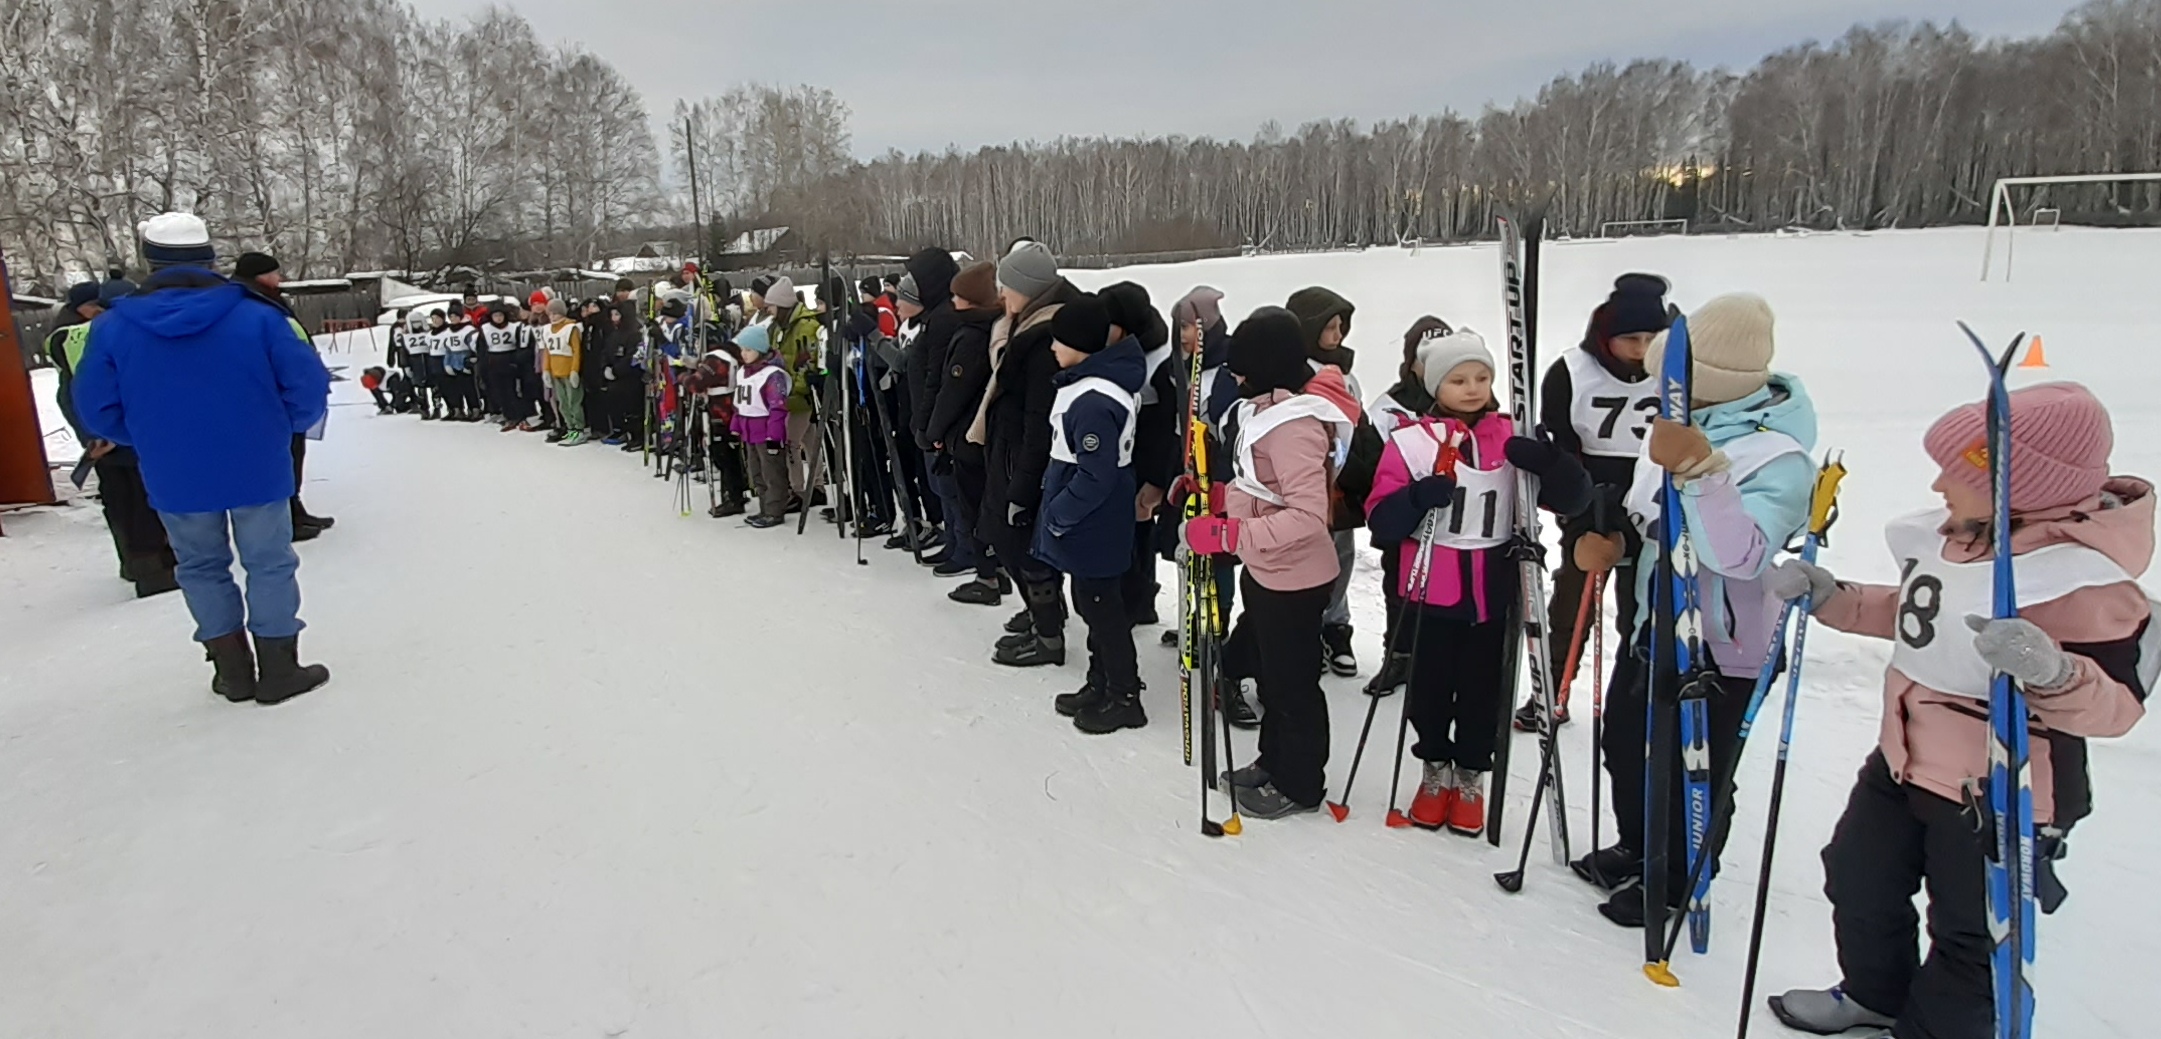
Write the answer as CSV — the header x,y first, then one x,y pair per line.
x,y
25,475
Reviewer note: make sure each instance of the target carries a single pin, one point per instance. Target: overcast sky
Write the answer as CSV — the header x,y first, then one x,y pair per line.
x,y
922,74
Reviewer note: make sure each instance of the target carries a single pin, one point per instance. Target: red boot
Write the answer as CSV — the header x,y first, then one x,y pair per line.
x,y
1467,812
1436,799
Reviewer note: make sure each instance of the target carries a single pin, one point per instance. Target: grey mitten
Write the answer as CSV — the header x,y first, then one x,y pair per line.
x,y
1795,578
2019,648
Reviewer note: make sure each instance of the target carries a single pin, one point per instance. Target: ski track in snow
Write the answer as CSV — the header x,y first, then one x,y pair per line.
x,y
587,768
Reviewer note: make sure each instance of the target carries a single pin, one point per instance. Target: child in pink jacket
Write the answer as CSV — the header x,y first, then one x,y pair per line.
x,y
1456,469
1289,432
761,420
2082,537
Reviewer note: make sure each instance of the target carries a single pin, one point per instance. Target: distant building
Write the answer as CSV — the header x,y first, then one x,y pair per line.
x,y
764,247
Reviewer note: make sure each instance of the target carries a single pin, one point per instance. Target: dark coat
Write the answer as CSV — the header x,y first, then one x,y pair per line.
x,y
961,380
1017,421
933,270
1086,525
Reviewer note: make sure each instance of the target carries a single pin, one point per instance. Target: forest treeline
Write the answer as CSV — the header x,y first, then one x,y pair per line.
x,y
356,134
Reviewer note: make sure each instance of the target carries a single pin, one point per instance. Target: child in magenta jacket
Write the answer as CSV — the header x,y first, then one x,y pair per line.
x,y
761,420
1455,469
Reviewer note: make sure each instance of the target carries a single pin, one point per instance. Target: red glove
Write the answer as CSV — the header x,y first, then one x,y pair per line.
x,y
1212,535
1185,487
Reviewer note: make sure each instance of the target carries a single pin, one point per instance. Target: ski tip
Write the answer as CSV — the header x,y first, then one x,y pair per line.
x,y
1661,973
1234,825
1397,820
1341,812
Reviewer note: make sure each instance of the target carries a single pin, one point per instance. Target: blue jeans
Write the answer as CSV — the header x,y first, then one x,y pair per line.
x,y
204,542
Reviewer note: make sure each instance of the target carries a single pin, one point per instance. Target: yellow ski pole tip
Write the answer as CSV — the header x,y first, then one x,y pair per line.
x,y
1661,973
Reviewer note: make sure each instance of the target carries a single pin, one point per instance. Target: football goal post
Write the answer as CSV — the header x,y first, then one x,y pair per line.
x,y
1627,228
2001,210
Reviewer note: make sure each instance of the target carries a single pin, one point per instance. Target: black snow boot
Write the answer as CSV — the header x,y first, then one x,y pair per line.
x,y
726,509
1609,868
1034,651
1114,712
235,664
1087,696
283,676
1395,671
153,575
1240,708
1020,623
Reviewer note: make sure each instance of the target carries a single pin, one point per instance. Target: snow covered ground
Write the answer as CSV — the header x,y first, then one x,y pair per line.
x,y
587,768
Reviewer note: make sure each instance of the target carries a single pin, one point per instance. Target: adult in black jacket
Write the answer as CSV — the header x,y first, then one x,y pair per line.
x,y
626,346
258,273
146,554
957,465
932,270
598,361
1157,458
1016,434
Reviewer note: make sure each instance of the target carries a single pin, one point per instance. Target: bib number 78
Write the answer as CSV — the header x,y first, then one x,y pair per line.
x,y
1920,601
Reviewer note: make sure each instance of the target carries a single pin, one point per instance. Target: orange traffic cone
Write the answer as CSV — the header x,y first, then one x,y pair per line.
x,y
2036,357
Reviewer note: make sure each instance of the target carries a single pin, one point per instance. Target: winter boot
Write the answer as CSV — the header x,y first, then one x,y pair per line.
x,y
1088,695
235,664
950,567
1240,708
1036,651
152,575
1336,643
1251,775
1170,639
282,675
726,509
1267,802
1527,715
1625,906
1467,815
1609,868
1825,1011
977,593
1436,797
1395,672
1120,710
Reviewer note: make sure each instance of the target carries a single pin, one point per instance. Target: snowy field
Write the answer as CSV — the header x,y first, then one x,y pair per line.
x,y
589,769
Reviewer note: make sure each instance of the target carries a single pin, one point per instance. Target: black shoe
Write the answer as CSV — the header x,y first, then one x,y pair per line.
x,y
1036,651
282,676
306,534
1017,640
817,497
1336,642
937,558
1609,868
1526,719
726,509
763,522
1625,906
235,665
155,582
1267,802
1252,775
896,543
1020,623
950,568
1240,710
555,436
975,593
1112,713
1070,704
795,505
1170,638
325,522
1395,673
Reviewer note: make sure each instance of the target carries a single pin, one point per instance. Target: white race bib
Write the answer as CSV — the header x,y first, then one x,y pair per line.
x,y
1932,645
1253,424
1611,417
1484,512
750,392
1062,451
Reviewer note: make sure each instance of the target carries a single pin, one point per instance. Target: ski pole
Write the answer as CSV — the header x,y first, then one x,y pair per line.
x,y
1422,572
1512,881
1342,809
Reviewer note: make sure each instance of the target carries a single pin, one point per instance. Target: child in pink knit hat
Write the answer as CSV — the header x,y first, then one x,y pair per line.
x,y
2082,538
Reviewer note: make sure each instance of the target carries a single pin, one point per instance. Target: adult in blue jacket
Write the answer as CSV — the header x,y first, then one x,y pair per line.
x,y
208,384
1085,527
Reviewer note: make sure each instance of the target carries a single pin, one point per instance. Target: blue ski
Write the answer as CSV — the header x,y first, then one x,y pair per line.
x,y
1675,652
2010,787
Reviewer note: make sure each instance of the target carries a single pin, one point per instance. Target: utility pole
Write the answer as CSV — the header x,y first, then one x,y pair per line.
x,y
697,213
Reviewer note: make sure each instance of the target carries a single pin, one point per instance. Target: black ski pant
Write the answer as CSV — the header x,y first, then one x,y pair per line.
x,y
1893,840
504,384
1274,642
532,389
1455,694
1623,747
1139,586
300,466
1113,665
146,556
1392,598
726,451
1040,586
969,477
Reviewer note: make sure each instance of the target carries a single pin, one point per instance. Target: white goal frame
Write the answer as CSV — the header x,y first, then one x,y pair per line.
x,y
2000,207
1605,230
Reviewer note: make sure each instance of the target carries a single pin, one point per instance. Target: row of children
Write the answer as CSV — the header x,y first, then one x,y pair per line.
x,y
1072,403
